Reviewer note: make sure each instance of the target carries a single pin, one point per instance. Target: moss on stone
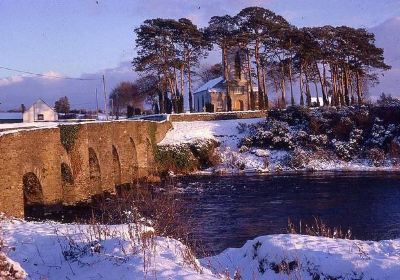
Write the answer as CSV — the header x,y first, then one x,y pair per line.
x,y
68,136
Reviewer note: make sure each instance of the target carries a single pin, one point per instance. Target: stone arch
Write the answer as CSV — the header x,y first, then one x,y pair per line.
x,y
33,193
94,172
67,182
116,167
134,160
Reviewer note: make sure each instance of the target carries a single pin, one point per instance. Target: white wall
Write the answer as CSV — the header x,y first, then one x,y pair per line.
x,y
40,108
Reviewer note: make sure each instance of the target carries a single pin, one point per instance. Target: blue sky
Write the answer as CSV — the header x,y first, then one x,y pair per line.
x,y
89,38
81,36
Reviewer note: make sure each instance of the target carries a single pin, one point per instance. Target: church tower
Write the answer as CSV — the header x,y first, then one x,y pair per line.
x,y
238,82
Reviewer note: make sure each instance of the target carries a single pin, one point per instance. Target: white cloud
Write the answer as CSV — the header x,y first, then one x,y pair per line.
x,y
27,89
10,80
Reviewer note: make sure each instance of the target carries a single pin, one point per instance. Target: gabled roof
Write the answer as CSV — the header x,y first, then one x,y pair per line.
x,y
43,102
210,85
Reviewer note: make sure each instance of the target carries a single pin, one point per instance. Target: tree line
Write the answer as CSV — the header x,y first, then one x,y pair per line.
x,y
337,64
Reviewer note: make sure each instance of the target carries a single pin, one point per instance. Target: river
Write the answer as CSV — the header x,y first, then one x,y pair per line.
x,y
225,211
229,210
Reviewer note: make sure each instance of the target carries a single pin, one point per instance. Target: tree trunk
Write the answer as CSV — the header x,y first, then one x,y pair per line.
x,y
283,86
161,101
346,86
190,88
182,84
335,100
325,91
266,101
308,93
226,74
322,82
359,89
317,93
259,77
301,85
291,83
251,101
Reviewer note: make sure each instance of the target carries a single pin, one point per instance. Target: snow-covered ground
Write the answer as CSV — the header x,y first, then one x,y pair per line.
x,y
255,160
56,251
306,257
19,126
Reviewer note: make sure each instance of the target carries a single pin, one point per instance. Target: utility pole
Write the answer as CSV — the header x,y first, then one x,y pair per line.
x,y
105,98
112,108
97,105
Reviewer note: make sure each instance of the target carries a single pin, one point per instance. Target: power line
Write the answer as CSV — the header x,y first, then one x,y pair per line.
x,y
48,76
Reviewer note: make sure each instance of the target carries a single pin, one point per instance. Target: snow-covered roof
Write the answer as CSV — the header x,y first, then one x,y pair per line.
x,y
40,100
210,84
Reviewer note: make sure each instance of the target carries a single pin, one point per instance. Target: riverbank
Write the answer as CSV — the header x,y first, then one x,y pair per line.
x,y
55,251
298,139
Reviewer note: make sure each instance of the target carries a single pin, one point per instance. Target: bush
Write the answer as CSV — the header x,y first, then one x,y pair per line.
x,y
342,129
343,133
343,150
204,152
317,141
318,228
298,159
177,158
376,155
381,135
186,158
7,269
271,134
394,147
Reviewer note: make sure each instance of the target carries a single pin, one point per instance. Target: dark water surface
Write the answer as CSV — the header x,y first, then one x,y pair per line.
x,y
229,210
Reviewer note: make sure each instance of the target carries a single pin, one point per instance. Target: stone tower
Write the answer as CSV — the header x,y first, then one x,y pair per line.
x,y
238,83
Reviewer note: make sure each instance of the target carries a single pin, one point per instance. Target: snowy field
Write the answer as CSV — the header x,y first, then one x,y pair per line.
x,y
255,160
55,251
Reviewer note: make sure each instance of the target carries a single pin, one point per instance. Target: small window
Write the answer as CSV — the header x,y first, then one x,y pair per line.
x,y
40,117
238,90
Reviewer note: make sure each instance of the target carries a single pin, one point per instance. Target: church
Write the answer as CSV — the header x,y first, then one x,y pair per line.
x,y
212,97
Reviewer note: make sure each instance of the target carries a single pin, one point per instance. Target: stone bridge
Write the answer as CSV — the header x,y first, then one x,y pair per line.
x,y
72,162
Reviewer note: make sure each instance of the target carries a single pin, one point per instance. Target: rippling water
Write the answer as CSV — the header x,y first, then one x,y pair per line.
x,y
225,211
229,210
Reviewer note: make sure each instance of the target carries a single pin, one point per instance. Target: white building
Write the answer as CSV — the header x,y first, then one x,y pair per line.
x,y
40,112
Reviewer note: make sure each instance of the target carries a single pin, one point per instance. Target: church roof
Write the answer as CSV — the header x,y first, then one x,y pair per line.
x,y
211,85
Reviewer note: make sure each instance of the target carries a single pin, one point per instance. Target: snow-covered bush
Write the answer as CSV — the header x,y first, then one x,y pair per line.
x,y
344,150
9,270
176,158
376,156
381,134
343,133
394,147
317,141
388,101
187,157
270,134
298,159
